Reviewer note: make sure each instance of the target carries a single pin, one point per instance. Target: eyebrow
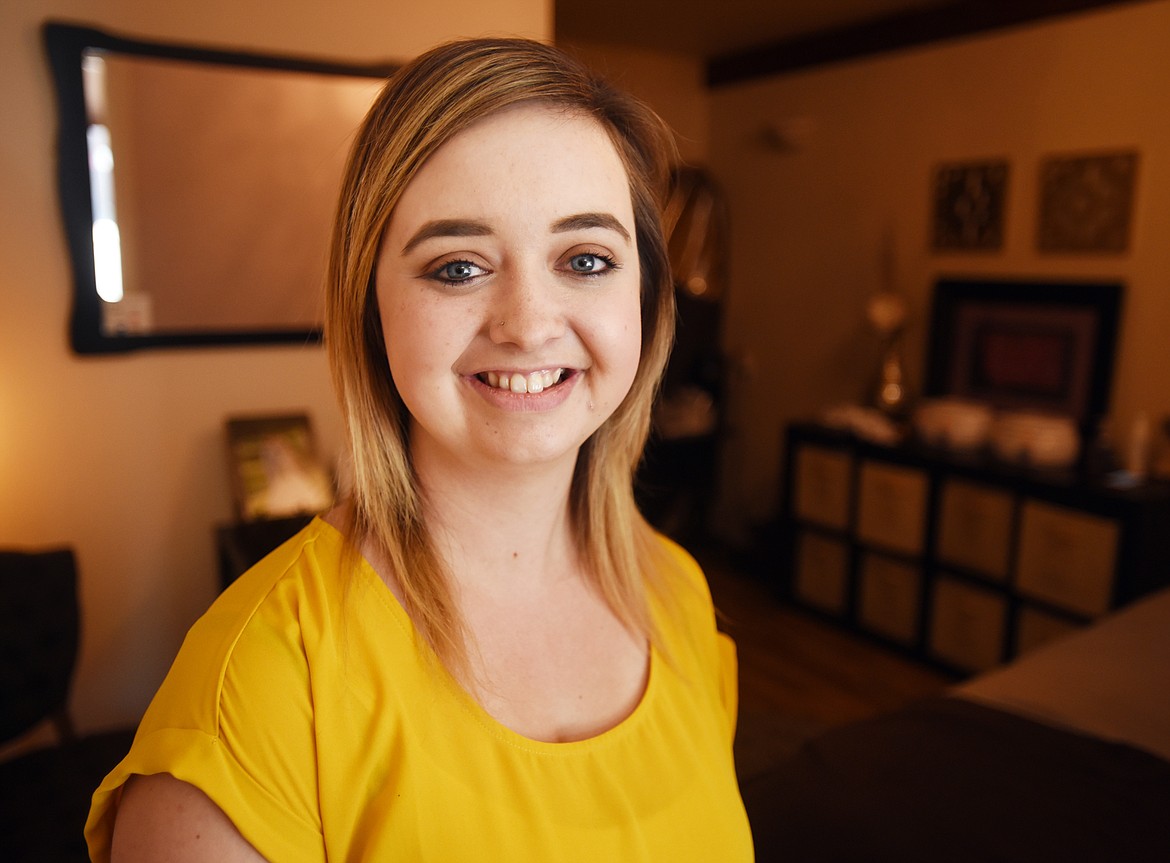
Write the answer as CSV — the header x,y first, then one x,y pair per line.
x,y
581,221
474,228
447,228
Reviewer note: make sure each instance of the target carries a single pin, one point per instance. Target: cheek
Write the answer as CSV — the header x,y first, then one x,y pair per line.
x,y
623,339
424,342
403,372
406,350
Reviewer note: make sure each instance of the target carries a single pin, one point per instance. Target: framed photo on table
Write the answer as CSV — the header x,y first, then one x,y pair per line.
x,y
276,470
1025,345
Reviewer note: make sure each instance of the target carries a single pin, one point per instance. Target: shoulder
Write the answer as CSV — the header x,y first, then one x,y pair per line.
x,y
677,557
235,717
301,577
678,574
687,619
684,608
255,635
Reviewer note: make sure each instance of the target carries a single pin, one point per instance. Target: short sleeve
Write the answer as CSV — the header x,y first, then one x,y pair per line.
x,y
234,718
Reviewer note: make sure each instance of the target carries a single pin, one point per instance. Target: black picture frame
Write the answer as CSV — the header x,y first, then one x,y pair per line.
x,y
66,45
1026,344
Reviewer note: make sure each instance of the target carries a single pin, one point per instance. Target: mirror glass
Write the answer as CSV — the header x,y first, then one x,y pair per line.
x,y
198,188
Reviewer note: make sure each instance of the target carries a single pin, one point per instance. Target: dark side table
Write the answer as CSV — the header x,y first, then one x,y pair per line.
x,y
242,544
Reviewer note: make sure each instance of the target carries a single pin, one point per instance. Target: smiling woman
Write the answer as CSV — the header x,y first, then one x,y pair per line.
x,y
534,289
486,653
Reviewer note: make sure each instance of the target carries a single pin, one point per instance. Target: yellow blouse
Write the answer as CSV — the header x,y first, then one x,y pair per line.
x,y
307,707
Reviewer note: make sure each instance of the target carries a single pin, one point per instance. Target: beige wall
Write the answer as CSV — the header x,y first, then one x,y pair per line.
x,y
673,84
809,223
122,457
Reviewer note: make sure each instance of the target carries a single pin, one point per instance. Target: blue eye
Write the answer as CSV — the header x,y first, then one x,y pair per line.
x,y
591,263
453,272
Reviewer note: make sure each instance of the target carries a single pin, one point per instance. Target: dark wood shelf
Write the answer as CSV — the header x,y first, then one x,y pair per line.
x,y
1044,517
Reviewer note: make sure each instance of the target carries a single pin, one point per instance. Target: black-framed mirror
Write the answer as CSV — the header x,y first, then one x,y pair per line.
x,y
197,187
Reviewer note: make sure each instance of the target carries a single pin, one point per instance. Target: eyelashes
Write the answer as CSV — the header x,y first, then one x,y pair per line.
x,y
586,263
457,272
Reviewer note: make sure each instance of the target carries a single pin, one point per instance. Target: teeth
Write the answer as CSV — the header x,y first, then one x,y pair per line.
x,y
534,382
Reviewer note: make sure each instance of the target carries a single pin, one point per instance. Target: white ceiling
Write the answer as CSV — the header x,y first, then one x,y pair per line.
x,y
709,28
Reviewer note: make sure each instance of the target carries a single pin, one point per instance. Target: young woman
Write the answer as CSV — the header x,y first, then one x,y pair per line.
x,y
486,653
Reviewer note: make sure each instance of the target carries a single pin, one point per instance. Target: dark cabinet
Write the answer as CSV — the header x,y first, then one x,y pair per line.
x,y
959,559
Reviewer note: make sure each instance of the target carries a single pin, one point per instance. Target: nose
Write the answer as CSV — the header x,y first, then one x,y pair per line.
x,y
527,312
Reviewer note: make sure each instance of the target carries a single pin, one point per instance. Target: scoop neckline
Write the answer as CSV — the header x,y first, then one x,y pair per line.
x,y
468,703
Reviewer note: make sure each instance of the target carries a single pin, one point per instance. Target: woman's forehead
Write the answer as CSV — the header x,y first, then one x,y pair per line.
x,y
532,159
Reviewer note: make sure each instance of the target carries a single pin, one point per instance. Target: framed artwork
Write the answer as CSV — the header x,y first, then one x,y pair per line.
x,y
1086,202
1025,345
968,205
276,471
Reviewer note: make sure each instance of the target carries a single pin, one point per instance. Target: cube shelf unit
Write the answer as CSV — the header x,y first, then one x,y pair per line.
x,y
961,561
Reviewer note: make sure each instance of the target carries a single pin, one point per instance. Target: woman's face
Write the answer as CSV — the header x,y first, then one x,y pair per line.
x,y
508,283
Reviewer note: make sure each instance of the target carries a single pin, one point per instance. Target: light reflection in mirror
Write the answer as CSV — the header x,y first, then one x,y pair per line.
x,y
107,244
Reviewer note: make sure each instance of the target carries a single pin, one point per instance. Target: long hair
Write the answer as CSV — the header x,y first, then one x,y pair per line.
x,y
423,105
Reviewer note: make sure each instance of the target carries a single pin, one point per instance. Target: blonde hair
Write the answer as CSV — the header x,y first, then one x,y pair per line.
x,y
423,105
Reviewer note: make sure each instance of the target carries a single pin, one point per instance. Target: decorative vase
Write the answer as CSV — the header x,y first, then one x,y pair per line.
x,y
891,395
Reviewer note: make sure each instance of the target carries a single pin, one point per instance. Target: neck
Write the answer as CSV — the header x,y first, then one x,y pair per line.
x,y
500,525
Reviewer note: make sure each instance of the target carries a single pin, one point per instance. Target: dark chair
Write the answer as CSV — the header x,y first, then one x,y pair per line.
x,y
45,793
